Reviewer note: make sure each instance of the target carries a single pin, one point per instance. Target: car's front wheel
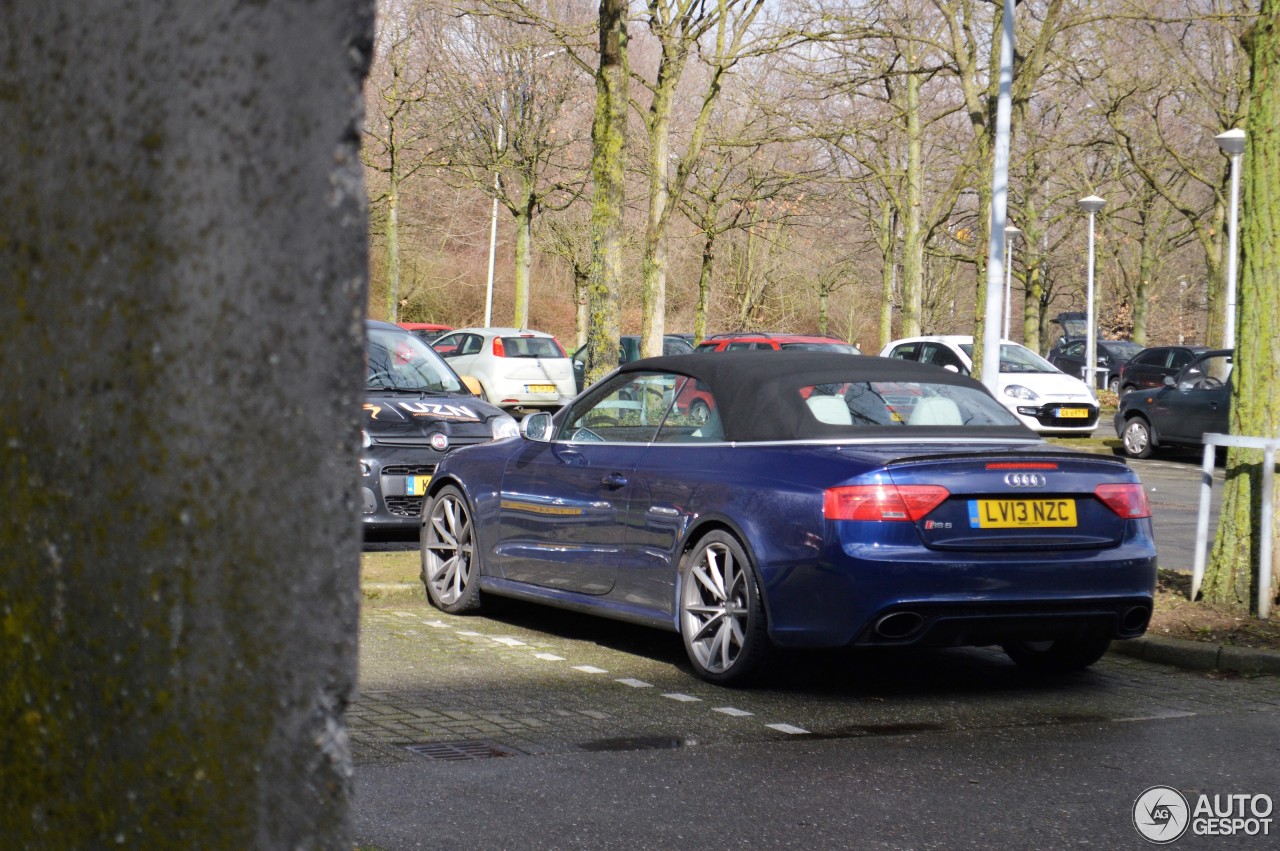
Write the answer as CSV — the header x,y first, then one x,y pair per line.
x,y
1060,655
722,619
1136,438
450,563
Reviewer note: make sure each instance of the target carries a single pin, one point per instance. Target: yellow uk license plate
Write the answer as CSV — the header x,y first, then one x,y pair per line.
x,y
1021,513
540,388
1073,413
416,485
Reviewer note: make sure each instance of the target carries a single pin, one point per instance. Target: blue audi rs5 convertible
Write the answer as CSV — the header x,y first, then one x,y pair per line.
x,y
755,500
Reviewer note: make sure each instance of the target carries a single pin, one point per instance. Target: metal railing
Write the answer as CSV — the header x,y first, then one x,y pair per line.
x,y
1268,445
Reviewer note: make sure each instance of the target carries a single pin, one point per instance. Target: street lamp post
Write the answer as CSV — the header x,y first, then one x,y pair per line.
x,y
1091,205
1232,143
1010,232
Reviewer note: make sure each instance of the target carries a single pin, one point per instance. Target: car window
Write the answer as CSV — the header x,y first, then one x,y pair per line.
x,y
1074,350
398,360
739,346
1151,356
676,346
1178,358
942,355
912,404
1123,349
447,345
531,347
694,418
1016,358
842,348
629,409
470,344
1208,374
907,351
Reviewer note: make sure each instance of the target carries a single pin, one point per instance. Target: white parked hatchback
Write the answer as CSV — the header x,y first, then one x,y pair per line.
x,y
1043,397
516,368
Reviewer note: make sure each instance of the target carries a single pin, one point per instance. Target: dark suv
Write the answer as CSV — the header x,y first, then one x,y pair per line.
x,y
778,342
1149,367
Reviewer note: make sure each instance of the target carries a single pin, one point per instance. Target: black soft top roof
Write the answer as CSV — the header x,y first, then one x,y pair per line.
x,y
756,391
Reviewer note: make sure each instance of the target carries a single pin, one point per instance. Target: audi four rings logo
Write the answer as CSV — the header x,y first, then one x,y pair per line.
x,y
1025,480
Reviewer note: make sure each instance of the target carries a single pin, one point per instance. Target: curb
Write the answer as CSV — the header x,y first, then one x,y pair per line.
x,y
1199,656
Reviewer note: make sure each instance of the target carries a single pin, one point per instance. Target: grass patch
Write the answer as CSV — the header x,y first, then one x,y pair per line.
x,y
391,578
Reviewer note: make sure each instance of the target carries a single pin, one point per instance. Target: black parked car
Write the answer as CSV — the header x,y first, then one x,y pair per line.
x,y
1189,405
1149,367
1068,356
416,411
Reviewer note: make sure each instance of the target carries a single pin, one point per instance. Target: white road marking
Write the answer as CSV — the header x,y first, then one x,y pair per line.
x,y
683,698
634,683
788,729
469,632
589,669
438,624
507,640
736,713
548,657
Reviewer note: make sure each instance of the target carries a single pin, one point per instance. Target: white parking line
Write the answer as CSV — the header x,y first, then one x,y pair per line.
x,y
470,633
438,624
507,640
634,683
788,729
589,669
548,657
729,710
683,698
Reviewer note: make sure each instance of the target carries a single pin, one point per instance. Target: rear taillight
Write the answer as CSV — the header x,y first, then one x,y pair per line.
x,y
1127,500
499,350
563,354
882,502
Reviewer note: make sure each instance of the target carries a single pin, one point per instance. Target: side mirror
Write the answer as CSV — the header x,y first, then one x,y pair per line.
x,y
537,427
1168,381
472,384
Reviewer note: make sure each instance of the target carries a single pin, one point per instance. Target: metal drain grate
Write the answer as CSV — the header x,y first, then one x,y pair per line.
x,y
454,751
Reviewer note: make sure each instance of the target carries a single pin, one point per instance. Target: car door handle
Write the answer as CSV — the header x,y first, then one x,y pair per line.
x,y
614,480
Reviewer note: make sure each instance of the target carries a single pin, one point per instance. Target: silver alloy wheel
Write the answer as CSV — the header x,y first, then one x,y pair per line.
x,y
1137,438
716,608
447,548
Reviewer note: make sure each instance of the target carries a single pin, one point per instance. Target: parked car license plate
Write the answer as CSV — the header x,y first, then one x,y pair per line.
x,y
416,485
1073,413
1021,513
540,388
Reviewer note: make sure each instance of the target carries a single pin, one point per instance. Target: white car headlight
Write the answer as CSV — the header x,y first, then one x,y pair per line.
x,y
504,426
1017,391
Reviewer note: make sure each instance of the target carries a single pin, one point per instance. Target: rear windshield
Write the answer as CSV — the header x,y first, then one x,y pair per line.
x,y
897,403
532,347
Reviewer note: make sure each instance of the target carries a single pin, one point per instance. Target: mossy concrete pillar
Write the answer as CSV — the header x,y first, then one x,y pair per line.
x,y
182,282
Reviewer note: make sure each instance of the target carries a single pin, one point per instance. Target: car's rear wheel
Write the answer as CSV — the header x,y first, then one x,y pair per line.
x,y
450,563
1063,654
1128,388
722,619
1114,386
1136,438
699,412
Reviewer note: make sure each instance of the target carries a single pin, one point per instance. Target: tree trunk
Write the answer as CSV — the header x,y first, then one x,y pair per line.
x,y
913,236
608,140
524,257
653,267
393,244
705,270
1232,574
184,259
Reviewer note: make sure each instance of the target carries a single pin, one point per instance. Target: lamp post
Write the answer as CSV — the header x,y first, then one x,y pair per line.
x,y
1091,205
999,208
1232,143
1010,231
493,217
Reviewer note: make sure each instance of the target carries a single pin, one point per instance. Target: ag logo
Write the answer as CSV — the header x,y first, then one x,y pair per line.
x,y
1161,815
